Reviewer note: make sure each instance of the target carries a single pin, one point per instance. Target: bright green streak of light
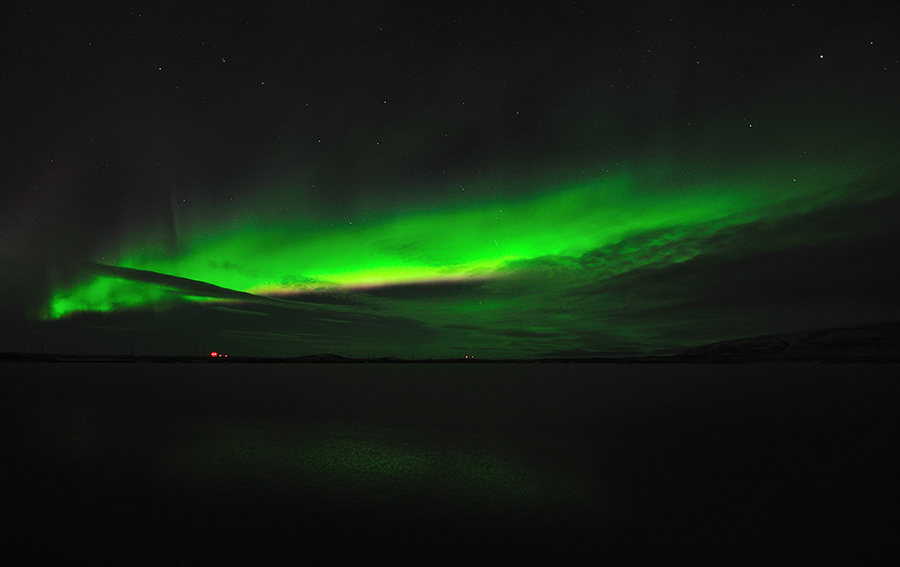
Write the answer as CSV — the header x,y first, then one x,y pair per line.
x,y
105,293
473,241
462,243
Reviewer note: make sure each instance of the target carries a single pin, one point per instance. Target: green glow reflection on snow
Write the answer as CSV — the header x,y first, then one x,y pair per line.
x,y
359,467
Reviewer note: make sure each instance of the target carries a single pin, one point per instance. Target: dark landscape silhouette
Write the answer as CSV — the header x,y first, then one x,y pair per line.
x,y
874,342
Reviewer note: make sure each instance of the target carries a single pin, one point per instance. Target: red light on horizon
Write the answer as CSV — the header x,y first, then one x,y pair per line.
x,y
214,354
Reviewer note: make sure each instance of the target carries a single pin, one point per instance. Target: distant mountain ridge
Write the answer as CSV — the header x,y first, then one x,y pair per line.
x,y
875,342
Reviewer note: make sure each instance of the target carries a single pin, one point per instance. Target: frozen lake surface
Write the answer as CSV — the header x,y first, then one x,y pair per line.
x,y
450,464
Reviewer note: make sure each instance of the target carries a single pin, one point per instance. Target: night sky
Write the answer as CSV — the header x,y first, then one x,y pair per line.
x,y
422,179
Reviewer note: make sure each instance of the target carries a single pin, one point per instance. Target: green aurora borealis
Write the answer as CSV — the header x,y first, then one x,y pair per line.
x,y
478,242
514,260
407,182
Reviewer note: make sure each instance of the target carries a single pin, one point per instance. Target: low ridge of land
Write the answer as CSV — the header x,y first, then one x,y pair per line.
x,y
875,342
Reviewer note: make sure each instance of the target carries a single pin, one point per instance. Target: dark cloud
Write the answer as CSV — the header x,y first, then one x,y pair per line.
x,y
426,290
325,298
183,286
828,267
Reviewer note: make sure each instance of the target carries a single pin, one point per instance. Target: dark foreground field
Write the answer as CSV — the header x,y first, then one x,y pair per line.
x,y
149,464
